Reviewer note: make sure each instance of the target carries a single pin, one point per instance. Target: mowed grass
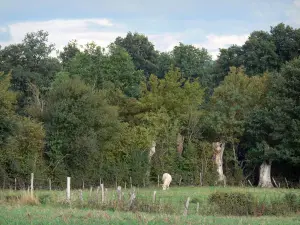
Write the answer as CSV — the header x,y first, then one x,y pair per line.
x,y
50,215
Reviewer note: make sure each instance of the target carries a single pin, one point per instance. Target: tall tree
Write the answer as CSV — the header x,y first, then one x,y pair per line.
x,y
232,56
192,61
113,69
274,130
230,107
82,129
287,42
169,109
68,53
260,53
31,63
165,61
141,50
21,139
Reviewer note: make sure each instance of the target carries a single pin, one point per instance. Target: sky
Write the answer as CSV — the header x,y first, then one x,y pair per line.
x,y
211,24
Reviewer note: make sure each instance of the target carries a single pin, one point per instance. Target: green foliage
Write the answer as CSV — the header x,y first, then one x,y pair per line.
x,y
193,62
81,128
233,101
287,42
68,53
230,57
275,128
94,114
260,53
22,139
114,70
237,204
142,51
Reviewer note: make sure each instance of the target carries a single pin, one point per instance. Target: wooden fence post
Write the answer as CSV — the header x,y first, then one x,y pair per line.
x,y
201,179
119,192
31,184
102,193
186,208
68,189
50,187
157,180
130,182
132,198
106,195
81,196
154,197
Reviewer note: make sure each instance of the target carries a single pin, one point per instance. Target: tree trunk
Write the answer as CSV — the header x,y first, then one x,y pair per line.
x,y
180,140
218,148
151,153
265,175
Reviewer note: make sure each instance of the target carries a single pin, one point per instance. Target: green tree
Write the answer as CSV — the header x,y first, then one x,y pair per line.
x,y
82,130
169,110
68,53
165,61
232,56
21,139
31,63
287,42
111,70
231,105
260,53
141,50
274,130
194,63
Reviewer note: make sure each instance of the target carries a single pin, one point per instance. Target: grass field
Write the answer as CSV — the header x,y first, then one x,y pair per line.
x,y
53,210
49,215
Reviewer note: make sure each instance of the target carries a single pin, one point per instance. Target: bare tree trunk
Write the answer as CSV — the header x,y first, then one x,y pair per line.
x,y
218,148
180,140
265,175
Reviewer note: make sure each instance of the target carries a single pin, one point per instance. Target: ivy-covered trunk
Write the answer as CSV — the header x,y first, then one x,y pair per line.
x,y
265,175
218,148
180,140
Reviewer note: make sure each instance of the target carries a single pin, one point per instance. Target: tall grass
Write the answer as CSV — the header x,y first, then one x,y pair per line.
x,y
211,200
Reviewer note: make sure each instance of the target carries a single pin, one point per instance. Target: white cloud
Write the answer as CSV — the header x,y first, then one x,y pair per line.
x,y
104,31
165,41
293,14
214,42
101,31
297,3
3,29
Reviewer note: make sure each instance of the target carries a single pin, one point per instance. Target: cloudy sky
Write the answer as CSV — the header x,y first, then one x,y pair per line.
x,y
212,24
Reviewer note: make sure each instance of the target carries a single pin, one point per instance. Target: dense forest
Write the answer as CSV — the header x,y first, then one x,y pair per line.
x,y
129,110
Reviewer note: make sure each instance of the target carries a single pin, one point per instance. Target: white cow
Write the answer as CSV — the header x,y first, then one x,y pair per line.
x,y
166,179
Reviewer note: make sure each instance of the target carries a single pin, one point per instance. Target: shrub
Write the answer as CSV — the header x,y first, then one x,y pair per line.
x,y
292,201
45,198
233,203
27,199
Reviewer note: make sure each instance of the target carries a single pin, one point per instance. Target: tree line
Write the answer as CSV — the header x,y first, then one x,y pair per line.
x,y
129,110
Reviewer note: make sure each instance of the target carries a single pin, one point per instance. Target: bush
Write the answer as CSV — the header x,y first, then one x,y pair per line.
x,y
45,198
233,203
292,201
27,199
